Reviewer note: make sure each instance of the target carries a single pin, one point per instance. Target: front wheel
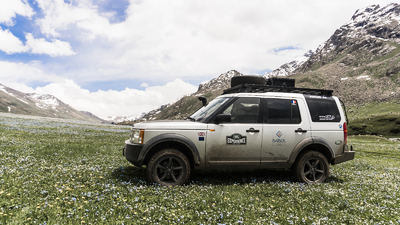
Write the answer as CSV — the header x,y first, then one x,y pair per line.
x,y
311,167
168,167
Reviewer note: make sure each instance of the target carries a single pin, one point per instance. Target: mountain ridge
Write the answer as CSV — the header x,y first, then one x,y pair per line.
x,y
13,101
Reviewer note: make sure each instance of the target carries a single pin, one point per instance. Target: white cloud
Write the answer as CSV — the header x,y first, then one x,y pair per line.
x,y
192,39
11,44
11,72
9,9
54,48
61,16
117,103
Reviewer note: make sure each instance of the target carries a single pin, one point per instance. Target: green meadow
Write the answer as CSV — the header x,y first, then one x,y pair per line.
x,y
55,171
375,118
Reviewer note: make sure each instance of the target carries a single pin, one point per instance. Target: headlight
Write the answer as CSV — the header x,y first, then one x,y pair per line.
x,y
137,136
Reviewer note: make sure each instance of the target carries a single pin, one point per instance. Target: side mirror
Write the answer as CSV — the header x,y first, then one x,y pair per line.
x,y
203,100
223,118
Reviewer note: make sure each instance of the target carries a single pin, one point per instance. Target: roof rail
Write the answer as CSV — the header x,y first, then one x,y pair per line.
x,y
257,88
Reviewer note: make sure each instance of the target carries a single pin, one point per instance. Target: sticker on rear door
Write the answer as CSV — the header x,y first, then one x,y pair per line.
x,y
326,118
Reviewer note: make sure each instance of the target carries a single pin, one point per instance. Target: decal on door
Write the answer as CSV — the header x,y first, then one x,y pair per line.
x,y
278,141
236,139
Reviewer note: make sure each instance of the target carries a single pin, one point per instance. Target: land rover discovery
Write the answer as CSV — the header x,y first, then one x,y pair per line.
x,y
254,124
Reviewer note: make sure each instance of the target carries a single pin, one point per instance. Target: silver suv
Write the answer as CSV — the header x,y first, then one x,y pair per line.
x,y
263,125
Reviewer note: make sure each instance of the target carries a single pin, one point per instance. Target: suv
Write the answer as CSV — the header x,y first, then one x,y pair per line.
x,y
262,125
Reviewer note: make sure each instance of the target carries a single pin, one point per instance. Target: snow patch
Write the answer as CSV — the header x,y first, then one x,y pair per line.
x,y
45,100
40,106
366,77
344,78
4,89
23,101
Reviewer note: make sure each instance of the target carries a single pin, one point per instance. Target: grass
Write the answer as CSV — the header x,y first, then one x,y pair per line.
x,y
392,53
55,171
375,118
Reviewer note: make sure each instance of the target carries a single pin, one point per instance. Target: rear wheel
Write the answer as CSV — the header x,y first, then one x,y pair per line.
x,y
311,167
168,167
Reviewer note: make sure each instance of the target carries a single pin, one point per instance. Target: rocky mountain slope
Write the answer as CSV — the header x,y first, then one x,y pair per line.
x,y
360,62
13,101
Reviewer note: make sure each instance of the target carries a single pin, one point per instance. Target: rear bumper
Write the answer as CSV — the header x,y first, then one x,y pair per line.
x,y
346,156
131,152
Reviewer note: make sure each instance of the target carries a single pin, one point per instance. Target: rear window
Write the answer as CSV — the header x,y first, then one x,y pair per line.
x,y
282,111
323,109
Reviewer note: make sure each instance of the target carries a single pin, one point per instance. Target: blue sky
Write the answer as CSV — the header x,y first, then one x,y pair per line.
x,y
130,56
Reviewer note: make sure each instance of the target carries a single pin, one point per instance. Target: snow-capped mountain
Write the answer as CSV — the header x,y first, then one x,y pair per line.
x,y
288,68
13,101
118,119
44,101
365,27
221,82
373,29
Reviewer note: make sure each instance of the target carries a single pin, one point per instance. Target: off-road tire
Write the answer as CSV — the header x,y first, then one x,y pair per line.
x,y
247,80
168,167
311,167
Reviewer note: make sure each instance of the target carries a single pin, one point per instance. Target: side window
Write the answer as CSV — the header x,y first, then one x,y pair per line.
x,y
244,110
323,109
282,111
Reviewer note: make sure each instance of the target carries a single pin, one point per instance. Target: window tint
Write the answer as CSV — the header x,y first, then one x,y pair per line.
x,y
282,111
244,110
323,109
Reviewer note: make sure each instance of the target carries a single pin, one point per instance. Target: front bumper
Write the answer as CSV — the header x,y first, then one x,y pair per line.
x,y
131,153
346,156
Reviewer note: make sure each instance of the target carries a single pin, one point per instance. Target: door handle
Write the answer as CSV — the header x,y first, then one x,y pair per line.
x,y
299,130
252,130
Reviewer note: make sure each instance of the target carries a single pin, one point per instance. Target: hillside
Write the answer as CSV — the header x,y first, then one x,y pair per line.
x,y
360,62
16,102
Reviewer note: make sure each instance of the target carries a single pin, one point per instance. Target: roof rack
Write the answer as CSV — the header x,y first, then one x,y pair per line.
x,y
257,88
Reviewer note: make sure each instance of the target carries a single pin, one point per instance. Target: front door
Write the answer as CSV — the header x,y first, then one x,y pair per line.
x,y
237,143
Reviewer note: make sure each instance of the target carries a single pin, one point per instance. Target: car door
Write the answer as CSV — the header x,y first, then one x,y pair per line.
x,y
284,127
238,142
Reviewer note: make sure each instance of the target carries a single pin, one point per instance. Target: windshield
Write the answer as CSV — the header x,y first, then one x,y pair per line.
x,y
208,109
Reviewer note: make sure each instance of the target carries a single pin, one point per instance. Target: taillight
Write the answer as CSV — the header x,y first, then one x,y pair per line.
x,y
345,133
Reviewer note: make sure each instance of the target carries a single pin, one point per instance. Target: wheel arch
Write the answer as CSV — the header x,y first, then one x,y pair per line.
x,y
176,141
312,143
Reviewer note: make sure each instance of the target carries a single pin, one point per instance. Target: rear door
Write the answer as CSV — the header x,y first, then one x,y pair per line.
x,y
285,125
327,121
